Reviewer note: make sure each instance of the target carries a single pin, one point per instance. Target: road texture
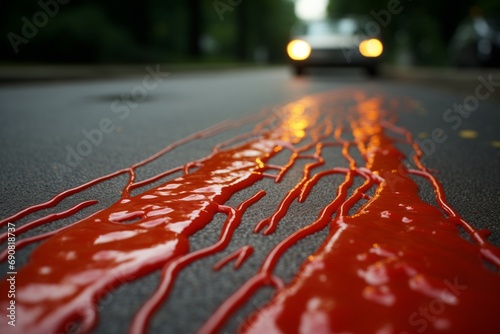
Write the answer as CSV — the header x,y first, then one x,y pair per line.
x,y
43,126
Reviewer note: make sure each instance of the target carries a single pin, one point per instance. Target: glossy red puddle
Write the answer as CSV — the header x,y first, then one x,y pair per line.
x,y
397,265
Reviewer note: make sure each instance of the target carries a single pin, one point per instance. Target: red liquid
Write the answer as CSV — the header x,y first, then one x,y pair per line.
x,y
377,268
397,265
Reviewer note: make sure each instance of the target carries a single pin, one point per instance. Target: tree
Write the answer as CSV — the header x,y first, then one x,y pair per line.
x,y
427,24
195,27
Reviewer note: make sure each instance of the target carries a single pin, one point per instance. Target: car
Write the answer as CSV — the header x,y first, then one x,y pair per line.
x,y
476,42
340,42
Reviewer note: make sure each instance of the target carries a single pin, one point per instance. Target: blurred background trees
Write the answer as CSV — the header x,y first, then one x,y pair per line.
x,y
127,31
421,32
150,30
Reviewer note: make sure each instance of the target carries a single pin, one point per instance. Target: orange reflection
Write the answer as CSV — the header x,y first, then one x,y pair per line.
x,y
297,118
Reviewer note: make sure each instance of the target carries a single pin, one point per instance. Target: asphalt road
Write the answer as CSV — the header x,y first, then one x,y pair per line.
x,y
41,124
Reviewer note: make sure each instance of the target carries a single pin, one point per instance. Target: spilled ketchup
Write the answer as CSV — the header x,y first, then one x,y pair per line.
x,y
397,265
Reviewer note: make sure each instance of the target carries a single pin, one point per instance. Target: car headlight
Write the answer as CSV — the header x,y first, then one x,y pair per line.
x,y
371,48
298,49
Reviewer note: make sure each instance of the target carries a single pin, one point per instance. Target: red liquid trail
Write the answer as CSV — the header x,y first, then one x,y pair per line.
x,y
239,256
72,269
172,269
50,218
97,252
396,255
130,170
38,222
396,265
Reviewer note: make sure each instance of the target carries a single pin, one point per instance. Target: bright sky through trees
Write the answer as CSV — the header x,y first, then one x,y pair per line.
x,y
311,9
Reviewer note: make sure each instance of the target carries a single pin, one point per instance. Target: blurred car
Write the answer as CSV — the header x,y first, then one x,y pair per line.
x,y
476,42
339,42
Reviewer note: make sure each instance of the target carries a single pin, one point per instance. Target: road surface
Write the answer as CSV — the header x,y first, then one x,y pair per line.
x,y
58,135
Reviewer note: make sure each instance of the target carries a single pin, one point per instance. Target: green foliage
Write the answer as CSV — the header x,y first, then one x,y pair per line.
x,y
151,30
166,30
86,34
423,28
489,7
